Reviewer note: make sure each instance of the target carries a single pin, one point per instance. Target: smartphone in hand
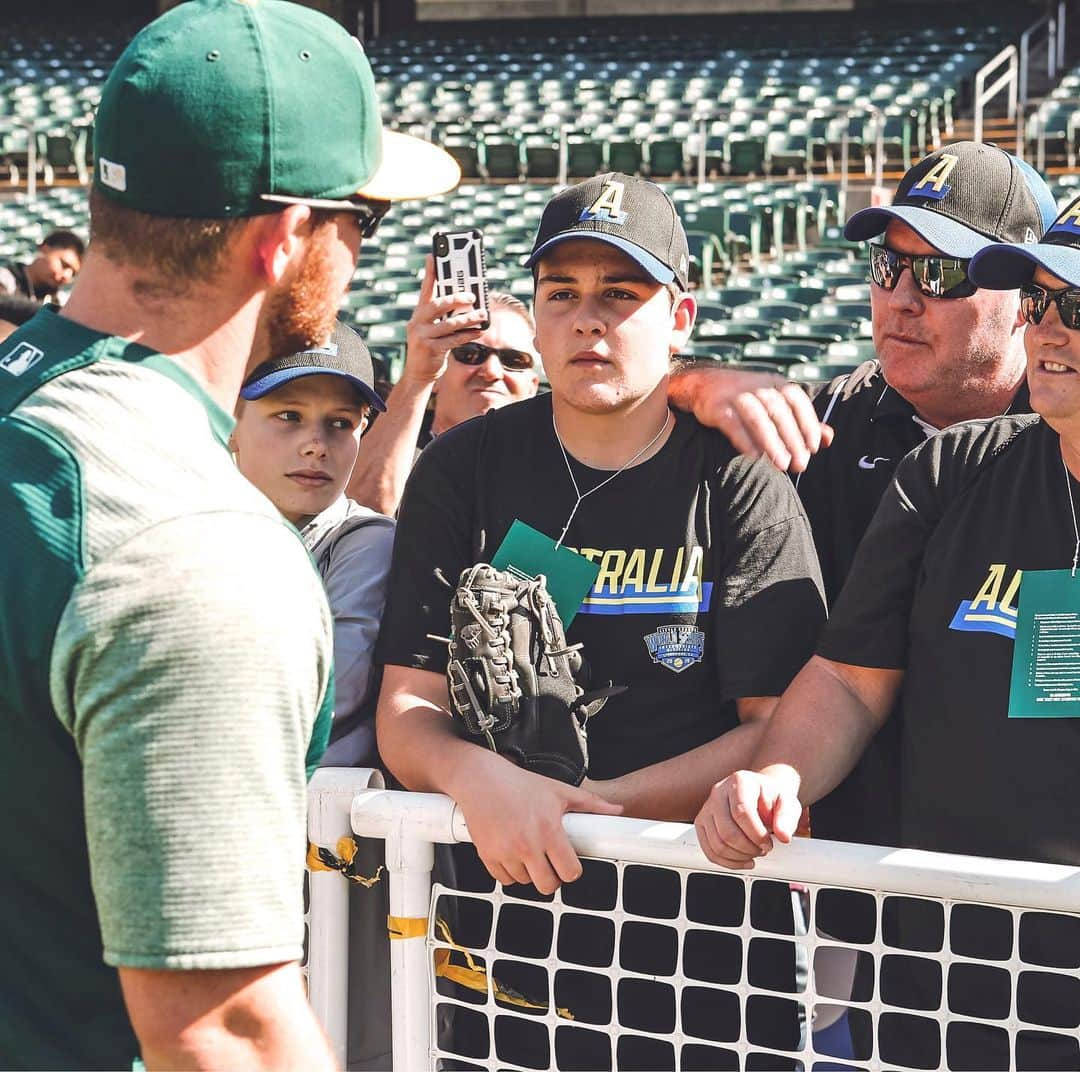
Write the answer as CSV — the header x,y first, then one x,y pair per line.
x,y
459,267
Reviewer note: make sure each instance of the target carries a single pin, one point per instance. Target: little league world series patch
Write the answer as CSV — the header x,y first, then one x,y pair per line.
x,y
676,646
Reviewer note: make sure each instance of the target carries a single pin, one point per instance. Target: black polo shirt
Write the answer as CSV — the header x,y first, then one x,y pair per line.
x,y
840,491
968,514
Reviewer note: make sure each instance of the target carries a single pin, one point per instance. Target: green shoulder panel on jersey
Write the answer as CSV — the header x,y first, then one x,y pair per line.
x,y
41,503
48,346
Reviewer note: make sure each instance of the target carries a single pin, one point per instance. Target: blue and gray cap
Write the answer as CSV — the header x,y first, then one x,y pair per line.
x,y
627,212
1006,267
962,198
345,355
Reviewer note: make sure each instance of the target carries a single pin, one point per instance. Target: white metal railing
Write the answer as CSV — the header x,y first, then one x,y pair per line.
x,y
411,824
1007,81
1051,23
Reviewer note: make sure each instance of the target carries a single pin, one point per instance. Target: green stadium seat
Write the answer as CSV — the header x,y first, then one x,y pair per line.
x,y
625,155
745,155
464,150
666,156
541,156
584,156
500,157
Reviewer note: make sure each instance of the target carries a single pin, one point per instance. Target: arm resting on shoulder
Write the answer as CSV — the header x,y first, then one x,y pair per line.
x,y
760,412
248,1018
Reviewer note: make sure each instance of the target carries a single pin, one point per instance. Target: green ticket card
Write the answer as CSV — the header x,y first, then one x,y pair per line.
x,y
1046,655
569,575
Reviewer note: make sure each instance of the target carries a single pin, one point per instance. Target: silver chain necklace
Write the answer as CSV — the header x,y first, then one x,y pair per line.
x,y
607,480
1072,506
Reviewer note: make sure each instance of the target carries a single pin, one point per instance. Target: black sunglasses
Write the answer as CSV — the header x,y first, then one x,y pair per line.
x,y
476,353
369,212
936,277
1035,301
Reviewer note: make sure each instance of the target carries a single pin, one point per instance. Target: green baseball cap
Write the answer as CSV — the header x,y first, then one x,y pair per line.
x,y
224,108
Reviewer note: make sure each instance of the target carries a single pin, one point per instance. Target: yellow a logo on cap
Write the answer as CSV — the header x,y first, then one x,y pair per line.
x,y
1069,219
935,178
608,206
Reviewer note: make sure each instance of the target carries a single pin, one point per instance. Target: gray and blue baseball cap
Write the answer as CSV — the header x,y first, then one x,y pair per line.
x,y
345,355
962,198
624,211
1004,266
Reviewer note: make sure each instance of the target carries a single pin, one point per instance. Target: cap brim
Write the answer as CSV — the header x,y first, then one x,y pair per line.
x,y
271,382
1004,266
656,269
411,168
951,238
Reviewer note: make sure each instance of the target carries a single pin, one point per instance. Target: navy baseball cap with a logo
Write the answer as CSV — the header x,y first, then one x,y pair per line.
x,y
631,214
1006,267
344,355
962,198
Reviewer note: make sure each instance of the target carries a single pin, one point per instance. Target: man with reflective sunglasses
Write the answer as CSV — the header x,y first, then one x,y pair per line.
x,y
958,621
946,352
467,369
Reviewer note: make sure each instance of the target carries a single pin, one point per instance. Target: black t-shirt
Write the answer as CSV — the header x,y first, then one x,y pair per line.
x,y
840,490
933,591
701,551
696,545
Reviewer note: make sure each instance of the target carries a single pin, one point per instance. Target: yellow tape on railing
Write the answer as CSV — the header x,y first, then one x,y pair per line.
x,y
406,926
474,977
320,859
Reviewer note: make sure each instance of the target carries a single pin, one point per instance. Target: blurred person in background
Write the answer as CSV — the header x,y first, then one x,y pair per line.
x,y
57,263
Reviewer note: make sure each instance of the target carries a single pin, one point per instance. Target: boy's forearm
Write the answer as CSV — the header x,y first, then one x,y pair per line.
x,y
675,789
419,745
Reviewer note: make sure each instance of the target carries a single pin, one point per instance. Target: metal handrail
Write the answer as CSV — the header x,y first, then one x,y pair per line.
x,y
1025,47
984,94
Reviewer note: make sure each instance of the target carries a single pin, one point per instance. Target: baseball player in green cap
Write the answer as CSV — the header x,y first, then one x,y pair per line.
x,y
165,645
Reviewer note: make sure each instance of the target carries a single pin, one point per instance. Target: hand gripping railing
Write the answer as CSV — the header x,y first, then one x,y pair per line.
x,y
411,824
984,93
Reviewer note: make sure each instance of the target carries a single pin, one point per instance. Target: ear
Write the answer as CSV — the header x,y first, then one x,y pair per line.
x,y
683,316
279,239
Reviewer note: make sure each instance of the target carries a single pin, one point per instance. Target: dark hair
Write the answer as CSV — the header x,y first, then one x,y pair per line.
x,y
65,240
17,309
